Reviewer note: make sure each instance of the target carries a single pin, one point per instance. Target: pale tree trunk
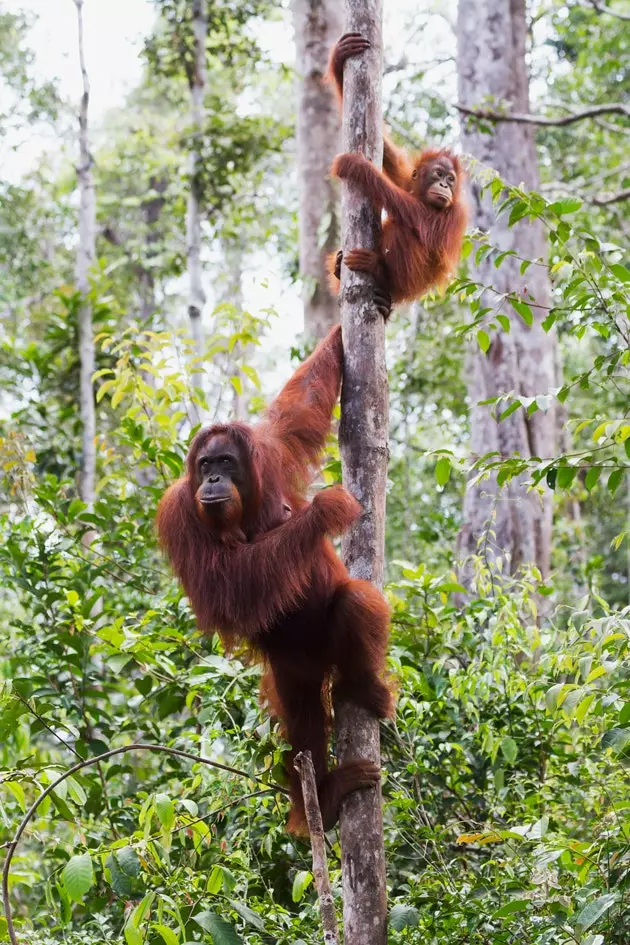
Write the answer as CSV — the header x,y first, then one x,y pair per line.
x,y
363,437
232,293
491,62
318,24
197,83
86,253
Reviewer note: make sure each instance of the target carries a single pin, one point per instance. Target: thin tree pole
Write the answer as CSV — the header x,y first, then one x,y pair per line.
x,y
86,252
318,23
363,437
197,83
303,764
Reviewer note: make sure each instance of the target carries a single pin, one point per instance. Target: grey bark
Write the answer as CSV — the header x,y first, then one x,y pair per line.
x,y
197,83
232,293
86,252
304,767
317,23
491,61
363,437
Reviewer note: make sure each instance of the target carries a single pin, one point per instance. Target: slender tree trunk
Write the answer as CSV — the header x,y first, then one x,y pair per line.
x,y
304,766
86,253
318,23
197,83
363,437
491,62
233,294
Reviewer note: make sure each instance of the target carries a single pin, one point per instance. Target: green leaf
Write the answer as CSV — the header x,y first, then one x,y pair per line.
x,y
248,914
215,881
403,917
552,695
133,936
509,410
483,340
621,272
616,738
592,476
165,810
78,876
302,881
566,205
509,749
592,911
443,470
121,884
237,384
517,905
222,932
523,309
615,479
128,861
566,475
168,935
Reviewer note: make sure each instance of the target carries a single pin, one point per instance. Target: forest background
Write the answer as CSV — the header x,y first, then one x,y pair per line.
x,y
176,295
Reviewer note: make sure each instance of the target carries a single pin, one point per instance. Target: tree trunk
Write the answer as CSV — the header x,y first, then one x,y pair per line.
x,y
197,83
318,23
232,293
491,62
86,253
363,437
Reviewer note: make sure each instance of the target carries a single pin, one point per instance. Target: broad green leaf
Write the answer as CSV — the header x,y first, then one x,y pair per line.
x,y
621,272
592,476
566,475
403,917
248,914
78,876
523,309
169,937
128,861
516,905
121,884
301,882
165,810
76,792
133,936
566,205
483,340
592,911
443,470
615,479
509,749
222,932
616,738
215,880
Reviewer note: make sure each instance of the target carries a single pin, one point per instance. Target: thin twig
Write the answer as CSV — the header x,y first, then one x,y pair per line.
x,y
303,764
610,108
607,199
600,8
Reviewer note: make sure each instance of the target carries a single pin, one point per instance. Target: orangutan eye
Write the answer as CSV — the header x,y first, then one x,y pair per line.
x,y
414,175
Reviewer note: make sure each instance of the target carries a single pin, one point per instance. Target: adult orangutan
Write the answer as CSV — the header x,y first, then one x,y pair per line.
x,y
422,236
255,559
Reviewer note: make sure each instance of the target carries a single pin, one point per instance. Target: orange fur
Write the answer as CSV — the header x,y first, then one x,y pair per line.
x,y
271,579
420,244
